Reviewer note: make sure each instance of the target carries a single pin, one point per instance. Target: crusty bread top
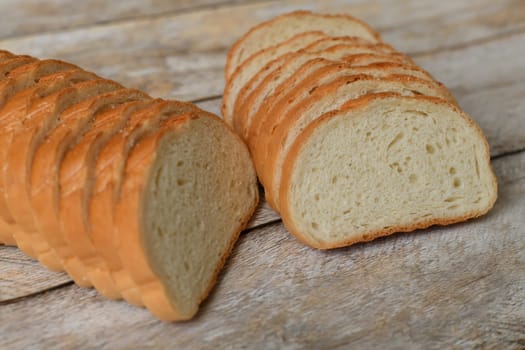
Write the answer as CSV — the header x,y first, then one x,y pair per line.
x,y
287,25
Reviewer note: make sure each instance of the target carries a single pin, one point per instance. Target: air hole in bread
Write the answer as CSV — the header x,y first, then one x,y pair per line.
x,y
430,149
452,170
457,182
412,178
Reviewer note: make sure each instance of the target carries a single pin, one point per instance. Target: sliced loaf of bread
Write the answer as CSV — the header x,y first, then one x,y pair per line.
x,y
282,106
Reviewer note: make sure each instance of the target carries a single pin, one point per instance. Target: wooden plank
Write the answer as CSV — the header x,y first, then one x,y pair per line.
x,y
25,17
21,276
445,287
182,56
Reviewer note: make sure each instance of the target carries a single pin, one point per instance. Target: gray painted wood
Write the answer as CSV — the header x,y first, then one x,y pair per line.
x,y
461,286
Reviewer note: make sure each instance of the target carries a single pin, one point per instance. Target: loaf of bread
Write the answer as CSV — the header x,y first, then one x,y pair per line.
x,y
141,198
351,140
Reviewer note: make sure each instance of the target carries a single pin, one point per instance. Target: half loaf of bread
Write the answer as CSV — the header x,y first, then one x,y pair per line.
x,y
351,140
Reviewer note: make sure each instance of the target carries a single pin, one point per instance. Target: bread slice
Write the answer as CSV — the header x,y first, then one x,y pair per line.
x,y
193,164
109,169
247,105
44,188
331,41
285,26
76,170
326,98
255,62
315,73
19,79
383,164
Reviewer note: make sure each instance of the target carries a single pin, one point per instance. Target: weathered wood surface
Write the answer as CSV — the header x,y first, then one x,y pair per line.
x,y
460,286
275,292
25,17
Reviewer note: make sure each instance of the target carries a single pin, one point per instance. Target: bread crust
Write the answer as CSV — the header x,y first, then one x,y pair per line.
x,y
19,83
229,96
300,84
232,58
66,117
356,104
22,119
76,172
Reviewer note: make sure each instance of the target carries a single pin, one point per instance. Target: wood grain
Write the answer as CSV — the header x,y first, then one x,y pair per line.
x,y
461,286
25,17
20,275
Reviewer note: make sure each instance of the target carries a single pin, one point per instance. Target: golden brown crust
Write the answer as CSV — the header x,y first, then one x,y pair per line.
x,y
20,119
362,102
75,172
44,159
232,54
227,106
20,91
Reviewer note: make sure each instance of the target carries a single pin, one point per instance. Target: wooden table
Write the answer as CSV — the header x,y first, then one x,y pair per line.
x,y
461,286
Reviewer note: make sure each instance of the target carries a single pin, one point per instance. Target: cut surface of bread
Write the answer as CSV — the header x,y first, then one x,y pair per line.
x,y
385,164
192,164
254,63
109,174
285,26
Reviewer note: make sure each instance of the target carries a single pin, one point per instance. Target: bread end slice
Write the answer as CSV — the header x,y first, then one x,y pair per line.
x,y
384,164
